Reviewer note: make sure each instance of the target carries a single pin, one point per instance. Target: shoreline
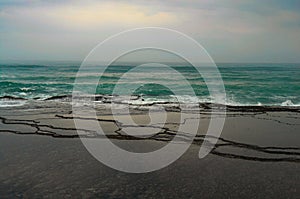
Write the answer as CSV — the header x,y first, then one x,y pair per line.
x,y
138,100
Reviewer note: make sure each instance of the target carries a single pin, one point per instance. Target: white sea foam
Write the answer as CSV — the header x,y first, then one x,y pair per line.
x,y
289,103
26,89
23,94
11,103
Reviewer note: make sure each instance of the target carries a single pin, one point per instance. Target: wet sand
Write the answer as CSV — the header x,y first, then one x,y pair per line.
x,y
257,156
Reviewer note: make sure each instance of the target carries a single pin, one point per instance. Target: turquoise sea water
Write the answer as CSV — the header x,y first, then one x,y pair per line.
x,y
245,84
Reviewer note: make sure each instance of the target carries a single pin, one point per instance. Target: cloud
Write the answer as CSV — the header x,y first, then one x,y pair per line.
x,y
87,16
108,13
231,30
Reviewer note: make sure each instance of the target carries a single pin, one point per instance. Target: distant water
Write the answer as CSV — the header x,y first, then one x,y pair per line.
x,y
245,84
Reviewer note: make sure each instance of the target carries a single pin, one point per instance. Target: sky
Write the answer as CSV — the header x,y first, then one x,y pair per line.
x,y
230,30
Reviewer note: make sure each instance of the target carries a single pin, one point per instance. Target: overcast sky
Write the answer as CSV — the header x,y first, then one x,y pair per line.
x,y
230,30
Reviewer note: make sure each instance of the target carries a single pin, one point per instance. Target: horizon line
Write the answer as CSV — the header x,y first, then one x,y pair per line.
x,y
130,62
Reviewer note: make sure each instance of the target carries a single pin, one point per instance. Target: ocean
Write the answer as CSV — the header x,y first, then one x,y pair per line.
x,y
245,84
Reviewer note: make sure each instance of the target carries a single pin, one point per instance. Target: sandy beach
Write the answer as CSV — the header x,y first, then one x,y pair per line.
x,y
257,155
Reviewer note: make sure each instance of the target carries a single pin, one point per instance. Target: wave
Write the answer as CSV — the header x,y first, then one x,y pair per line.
x,y
141,100
11,101
289,103
7,97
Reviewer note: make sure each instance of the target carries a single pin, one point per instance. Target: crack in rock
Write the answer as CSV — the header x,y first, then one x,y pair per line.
x,y
289,154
